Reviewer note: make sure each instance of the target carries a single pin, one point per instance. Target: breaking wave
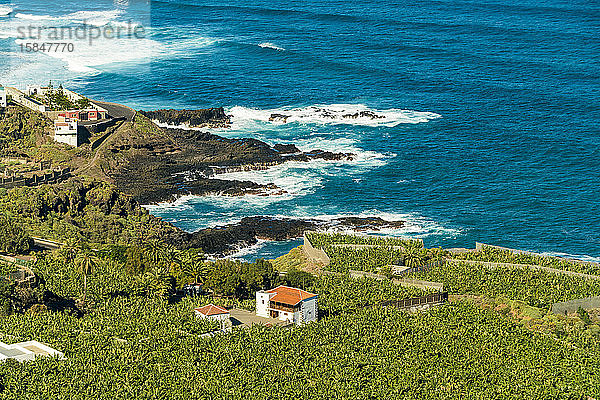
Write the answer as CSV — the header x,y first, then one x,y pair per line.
x,y
269,45
351,114
5,10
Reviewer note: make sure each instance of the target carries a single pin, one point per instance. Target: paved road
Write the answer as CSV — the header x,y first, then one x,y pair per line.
x,y
117,110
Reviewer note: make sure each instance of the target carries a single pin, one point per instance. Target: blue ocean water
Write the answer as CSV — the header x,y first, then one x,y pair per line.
x,y
492,107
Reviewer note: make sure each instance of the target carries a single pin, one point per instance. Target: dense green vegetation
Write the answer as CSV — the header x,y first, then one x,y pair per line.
x,y
537,288
378,259
13,239
83,210
20,129
369,259
493,254
108,300
57,100
456,351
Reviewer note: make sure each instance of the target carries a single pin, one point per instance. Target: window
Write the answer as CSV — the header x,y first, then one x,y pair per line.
x,y
263,301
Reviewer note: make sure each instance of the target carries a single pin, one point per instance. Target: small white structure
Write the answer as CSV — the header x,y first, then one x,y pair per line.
x,y
213,312
66,131
3,102
287,304
37,90
399,269
27,351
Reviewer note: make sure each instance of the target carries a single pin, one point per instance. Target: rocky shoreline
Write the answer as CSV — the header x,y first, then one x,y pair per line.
x,y
174,162
207,118
227,239
155,164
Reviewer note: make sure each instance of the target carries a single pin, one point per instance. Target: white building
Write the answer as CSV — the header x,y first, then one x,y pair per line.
x,y
27,351
212,312
287,304
66,131
37,90
3,102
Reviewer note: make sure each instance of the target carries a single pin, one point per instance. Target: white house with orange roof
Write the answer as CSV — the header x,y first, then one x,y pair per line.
x,y
287,304
212,312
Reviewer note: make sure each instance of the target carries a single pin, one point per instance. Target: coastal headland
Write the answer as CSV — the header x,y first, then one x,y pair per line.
x,y
149,157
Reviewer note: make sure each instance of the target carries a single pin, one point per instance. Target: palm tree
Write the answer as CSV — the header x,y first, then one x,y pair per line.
x,y
413,254
193,266
155,251
171,257
69,250
86,263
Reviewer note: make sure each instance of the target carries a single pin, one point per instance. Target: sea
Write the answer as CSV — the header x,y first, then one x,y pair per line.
x,y
489,111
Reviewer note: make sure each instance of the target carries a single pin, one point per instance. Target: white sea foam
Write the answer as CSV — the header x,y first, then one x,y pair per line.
x,y
88,57
415,225
300,178
32,17
5,10
269,45
243,252
352,114
98,18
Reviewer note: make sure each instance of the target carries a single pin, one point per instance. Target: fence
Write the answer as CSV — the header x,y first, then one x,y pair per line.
x,y
567,307
422,301
51,177
13,260
419,284
23,275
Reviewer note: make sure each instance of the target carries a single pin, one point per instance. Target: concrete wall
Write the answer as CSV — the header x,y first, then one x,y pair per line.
x,y
567,307
101,126
72,139
362,274
402,282
426,285
20,98
317,256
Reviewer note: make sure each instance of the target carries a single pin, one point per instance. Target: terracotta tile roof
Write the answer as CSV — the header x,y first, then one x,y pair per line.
x,y
289,295
211,309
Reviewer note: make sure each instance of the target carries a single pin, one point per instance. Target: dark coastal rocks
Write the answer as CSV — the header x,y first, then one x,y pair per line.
x,y
286,148
174,188
317,113
205,118
171,163
226,239
363,114
279,118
